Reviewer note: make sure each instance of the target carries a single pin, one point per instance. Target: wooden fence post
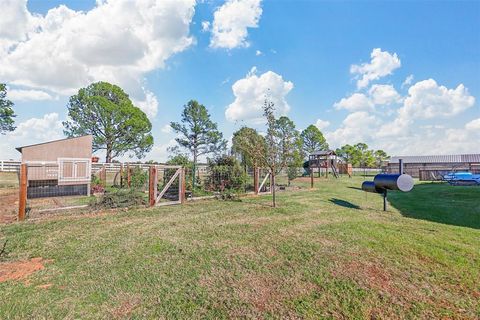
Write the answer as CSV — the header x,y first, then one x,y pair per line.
x,y
256,174
129,176
152,185
121,175
311,178
103,176
22,201
183,186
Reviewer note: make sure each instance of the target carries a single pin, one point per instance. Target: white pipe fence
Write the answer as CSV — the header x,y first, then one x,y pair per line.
x,y
14,166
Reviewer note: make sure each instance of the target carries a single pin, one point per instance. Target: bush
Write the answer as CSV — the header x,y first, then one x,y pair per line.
x,y
96,185
139,178
225,174
121,198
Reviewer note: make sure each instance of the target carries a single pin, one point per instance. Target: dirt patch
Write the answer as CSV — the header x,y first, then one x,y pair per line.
x,y
259,293
268,293
8,205
21,270
126,307
367,274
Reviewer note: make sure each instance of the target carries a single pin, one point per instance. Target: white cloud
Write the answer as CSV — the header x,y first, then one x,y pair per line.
x,y
117,41
160,152
258,53
321,124
383,94
426,100
408,81
250,93
205,26
356,127
356,102
149,105
27,95
473,125
31,131
166,129
397,128
414,129
382,64
231,22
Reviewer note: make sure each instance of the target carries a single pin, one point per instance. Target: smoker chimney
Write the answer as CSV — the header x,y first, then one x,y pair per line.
x,y
400,166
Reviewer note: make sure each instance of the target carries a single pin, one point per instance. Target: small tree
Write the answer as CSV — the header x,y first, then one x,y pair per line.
x,y
198,133
290,145
6,111
269,151
380,157
106,112
250,146
313,140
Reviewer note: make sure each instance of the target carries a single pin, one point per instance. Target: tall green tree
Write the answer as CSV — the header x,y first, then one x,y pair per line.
x,y
313,140
198,133
6,111
105,111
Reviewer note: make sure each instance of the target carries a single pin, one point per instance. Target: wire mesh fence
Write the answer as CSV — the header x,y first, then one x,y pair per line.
x,y
72,185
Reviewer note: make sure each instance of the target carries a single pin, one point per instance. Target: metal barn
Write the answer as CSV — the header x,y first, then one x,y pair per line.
x,y
430,168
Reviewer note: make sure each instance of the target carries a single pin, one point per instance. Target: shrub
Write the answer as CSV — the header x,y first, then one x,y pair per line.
x,y
225,174
120,198
139,178
96,185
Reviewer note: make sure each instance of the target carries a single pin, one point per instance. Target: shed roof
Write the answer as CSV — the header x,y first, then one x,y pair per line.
x,y
454,158
323,153
19,149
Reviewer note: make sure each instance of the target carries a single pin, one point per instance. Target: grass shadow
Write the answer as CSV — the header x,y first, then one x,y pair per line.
x,y
440,202
343,203
355,188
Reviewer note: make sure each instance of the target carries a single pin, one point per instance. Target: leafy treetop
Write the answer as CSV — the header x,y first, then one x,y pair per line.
x,y
6,111
106,112
313,140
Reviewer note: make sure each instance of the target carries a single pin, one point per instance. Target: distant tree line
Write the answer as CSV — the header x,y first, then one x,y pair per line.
x,y
359,155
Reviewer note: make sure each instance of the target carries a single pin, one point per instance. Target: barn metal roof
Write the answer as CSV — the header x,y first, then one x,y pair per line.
x,y
19,149
454,158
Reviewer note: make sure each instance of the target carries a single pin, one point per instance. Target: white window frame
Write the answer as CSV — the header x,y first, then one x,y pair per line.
x,y
74,161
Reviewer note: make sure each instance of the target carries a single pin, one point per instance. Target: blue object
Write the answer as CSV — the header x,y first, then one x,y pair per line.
x,y
462,178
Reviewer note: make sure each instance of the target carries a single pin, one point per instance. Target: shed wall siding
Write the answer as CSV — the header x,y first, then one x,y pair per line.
x,y
71,148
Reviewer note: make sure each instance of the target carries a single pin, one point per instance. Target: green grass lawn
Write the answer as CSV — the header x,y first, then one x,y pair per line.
x,y
326,253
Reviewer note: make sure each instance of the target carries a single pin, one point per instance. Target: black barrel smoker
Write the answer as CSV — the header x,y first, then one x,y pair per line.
x,y
384,182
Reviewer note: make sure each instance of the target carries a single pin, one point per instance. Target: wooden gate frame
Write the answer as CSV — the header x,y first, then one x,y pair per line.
x,y
155,196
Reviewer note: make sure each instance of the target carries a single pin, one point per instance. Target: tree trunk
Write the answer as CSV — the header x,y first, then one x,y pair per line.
x,y
108,158
194,169
274,200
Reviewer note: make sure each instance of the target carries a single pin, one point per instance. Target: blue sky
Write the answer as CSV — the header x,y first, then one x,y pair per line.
x,y
304,49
